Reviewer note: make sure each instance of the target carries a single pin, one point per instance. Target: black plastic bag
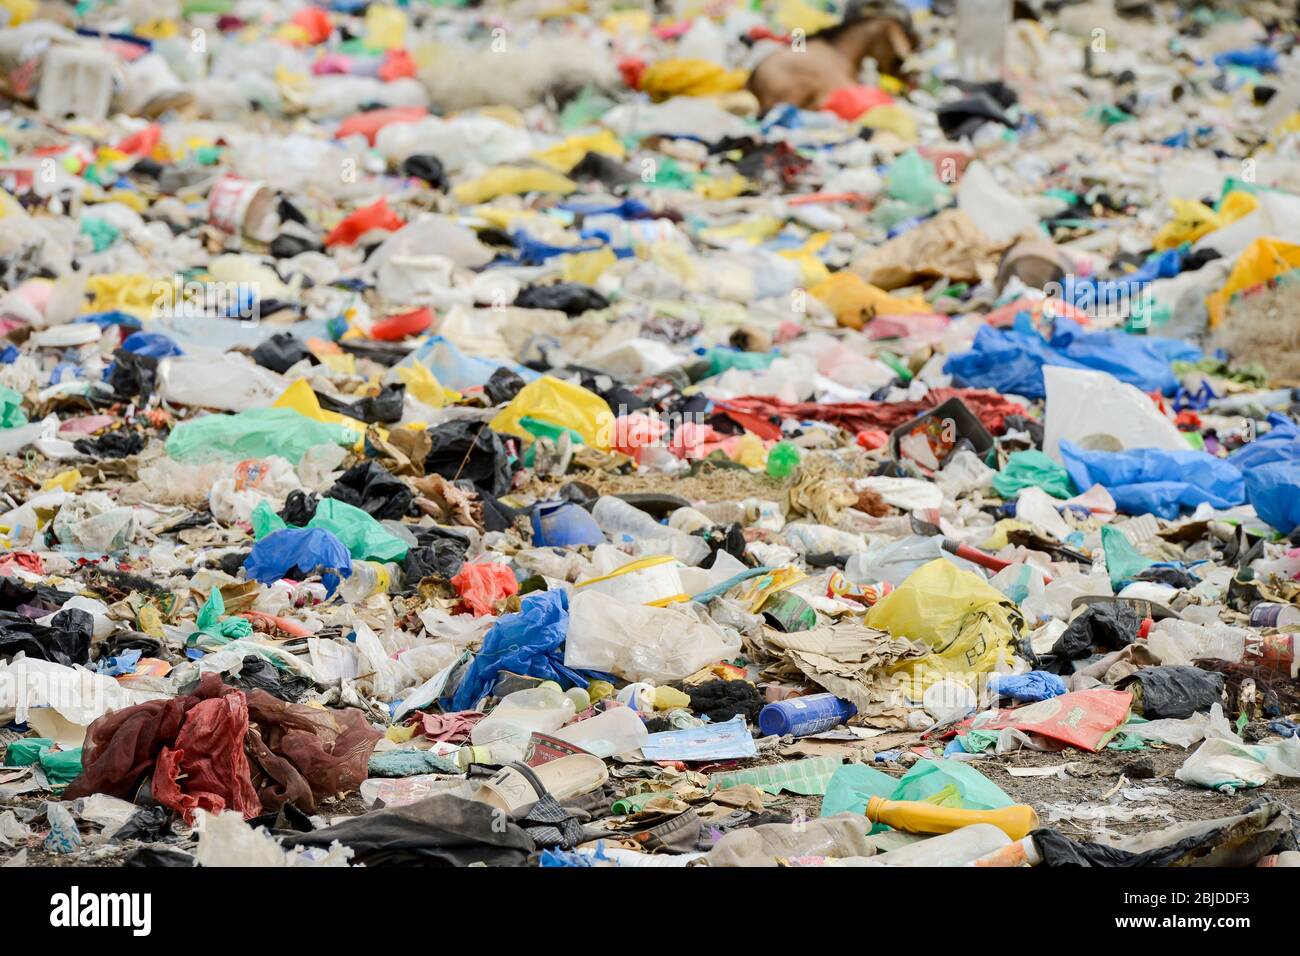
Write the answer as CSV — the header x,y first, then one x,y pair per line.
x,y
428,167
1108,627
470,451
503,386
1175,690
440,558
119,443
65,641
963,117
257,673
133,375
299,508
384,408
370,487
571,298
281,352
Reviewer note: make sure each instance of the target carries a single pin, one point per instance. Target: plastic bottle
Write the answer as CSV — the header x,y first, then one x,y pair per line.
x,y
782,459
623,523
950,849
541,709
914,816
497,755
368,578
801,716
982,38
616,731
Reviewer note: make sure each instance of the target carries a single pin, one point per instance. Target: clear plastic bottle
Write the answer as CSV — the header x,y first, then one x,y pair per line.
x,y
540,709
982,38
368,578
950,849
625,524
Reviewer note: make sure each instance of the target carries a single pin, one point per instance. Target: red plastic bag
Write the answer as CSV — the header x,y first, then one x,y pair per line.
x,y
208,768
397,65
394,328
141,143
315,23
369,124
1086,719
481,586
375,216
850,102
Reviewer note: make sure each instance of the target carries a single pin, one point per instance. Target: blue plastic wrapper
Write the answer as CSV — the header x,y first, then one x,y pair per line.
x,y
306,549
530,642
151,345
1036,685
1156,480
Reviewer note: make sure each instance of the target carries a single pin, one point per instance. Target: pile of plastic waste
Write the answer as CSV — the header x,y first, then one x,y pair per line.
x,y
630,434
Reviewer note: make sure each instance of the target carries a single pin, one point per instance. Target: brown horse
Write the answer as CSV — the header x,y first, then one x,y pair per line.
x,y
829,60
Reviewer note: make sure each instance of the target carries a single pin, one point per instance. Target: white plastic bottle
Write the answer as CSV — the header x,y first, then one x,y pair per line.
x,y
540,709
616,731
950,849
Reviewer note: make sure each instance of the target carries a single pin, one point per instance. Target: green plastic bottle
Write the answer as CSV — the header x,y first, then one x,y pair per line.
x,y
782,459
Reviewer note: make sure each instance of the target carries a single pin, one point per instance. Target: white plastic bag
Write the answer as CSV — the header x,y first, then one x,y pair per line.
x,y
1098,412
641,643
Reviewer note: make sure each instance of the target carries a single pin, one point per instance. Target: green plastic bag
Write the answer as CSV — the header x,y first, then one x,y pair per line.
x,y
11,408
852,786
61,767
1123,562
363,536
971,789
1033,469
25,752
255,433
210,625
912,180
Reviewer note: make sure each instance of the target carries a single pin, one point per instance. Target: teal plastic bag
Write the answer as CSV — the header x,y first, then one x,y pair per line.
x,y
852,785
929,777
1026,469
11,408
364,537
255,433
1123,562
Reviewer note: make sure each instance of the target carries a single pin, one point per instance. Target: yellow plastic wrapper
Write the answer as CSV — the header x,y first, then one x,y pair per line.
x,y
766,585
385,27
969,625
131,293
997,540
1193,220
587,267
891,118
797,15
812,270
1262,260
564,156
512,180
669,78
64,480
559,403
423,386
750,451
855,302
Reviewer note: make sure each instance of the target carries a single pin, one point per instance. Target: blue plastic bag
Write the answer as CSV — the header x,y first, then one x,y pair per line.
x,y
1280,443
151,345
1156,480
307,549
530,642
1036,685
454,369
1274,490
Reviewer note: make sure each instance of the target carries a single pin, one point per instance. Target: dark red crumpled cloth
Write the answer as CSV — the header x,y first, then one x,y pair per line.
x,y
754,412
286,753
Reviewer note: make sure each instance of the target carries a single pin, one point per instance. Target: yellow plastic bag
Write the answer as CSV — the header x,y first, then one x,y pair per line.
x,y
1262,260
669,78
797,15
512,180
587,267
385,27
855,302
891,118
564,156
131,293
1193,219
559,403
303,400
423,386
969,625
